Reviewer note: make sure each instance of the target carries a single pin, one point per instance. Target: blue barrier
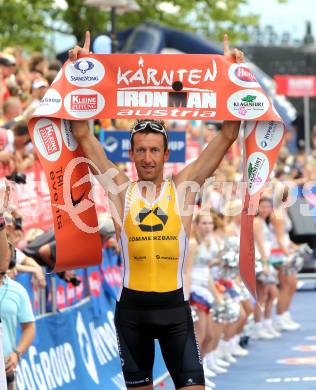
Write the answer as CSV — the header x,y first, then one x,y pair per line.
x,y
76,348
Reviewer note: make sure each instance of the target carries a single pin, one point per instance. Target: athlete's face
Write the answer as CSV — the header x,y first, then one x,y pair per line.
x,y
205,225
265,209
149,156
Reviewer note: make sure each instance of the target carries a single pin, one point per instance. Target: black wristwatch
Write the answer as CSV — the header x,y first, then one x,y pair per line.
x,y
19,354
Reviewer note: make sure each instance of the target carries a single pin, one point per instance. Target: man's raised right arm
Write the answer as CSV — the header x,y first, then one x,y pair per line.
x,y
107,173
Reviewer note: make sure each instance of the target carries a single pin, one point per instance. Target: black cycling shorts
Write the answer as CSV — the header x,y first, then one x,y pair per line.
x,y
142,317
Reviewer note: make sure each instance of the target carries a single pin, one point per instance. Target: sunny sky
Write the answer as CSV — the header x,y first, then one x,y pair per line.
x,y
290,16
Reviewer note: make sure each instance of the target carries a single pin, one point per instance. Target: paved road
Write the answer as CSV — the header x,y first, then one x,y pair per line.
x,y
288,363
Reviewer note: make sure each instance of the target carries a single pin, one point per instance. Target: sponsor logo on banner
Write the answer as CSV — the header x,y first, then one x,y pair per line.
x,y
50,104
248,104
85,72
84,103
242,76
258,171
269,134
149,91
68,138
111,144
86,349
48,139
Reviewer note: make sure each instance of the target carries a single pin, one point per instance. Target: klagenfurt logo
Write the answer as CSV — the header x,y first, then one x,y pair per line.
x,y
67,135
147,91
241,75
85,72
50,104
47,139
84,103
258,171
248,104
269,134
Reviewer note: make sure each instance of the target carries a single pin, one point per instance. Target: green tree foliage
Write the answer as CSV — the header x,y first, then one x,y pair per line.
x,y
28,22
23,23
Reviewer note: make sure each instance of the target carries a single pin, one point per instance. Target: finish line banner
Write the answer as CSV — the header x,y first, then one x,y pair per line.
x,y
205,87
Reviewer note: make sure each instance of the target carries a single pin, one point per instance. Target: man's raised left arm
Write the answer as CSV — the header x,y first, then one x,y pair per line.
x,y
210,158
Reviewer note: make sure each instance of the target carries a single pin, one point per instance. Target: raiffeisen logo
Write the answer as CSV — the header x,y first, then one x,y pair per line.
x,y
84,102
49,139
83,66
244,74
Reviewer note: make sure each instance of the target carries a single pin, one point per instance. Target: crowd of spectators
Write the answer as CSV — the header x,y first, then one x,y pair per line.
x,y
24,82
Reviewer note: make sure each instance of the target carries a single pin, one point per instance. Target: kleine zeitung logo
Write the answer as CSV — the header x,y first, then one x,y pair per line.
x,y
48,140
84,103
85,72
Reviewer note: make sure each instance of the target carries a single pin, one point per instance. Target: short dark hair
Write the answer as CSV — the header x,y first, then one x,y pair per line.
x,y
20,128
148,130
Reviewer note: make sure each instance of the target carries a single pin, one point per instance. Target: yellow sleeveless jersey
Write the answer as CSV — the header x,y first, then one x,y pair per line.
x,y
153,241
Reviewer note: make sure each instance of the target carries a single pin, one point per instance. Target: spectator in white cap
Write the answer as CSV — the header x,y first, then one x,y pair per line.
x,y
38,90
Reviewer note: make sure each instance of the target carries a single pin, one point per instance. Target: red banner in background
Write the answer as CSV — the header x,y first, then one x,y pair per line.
x,y
295,85
169,86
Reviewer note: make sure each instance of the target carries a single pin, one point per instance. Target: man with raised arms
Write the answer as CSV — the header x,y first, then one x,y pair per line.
x,y
153,234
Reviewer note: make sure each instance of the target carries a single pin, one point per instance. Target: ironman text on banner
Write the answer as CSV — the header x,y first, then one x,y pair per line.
x,y
205,87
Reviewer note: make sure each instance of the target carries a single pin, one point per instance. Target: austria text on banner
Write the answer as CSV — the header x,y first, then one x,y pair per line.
x,y
205,87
